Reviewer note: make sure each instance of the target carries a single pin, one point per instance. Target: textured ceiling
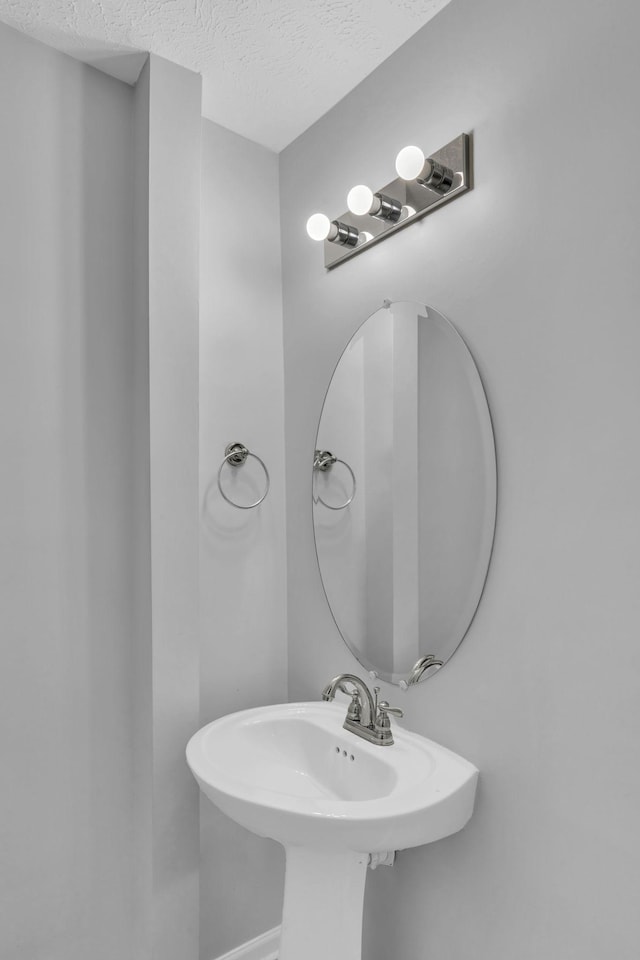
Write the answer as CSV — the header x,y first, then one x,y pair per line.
x,y
270,68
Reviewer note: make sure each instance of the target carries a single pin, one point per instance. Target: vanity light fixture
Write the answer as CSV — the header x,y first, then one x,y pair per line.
x,y
423,184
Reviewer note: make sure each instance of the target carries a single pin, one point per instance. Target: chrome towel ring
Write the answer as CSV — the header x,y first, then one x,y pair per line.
x,y
323,460
235,455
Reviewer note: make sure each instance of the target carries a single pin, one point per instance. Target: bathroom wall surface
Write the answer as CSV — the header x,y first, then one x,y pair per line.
x,y
537,269
168,136
142,727
243,630
66,546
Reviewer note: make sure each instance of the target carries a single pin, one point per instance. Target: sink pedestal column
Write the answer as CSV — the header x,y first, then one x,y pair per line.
x,y
323,900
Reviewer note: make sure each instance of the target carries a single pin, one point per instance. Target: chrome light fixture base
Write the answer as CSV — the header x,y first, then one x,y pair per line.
x,y
416,199
440,179
390,209
347,235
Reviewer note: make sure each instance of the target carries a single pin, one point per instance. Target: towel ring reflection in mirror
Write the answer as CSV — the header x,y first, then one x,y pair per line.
x,y
324,460
235,455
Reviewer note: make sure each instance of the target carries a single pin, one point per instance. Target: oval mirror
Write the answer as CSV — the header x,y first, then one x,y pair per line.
x,y
404,492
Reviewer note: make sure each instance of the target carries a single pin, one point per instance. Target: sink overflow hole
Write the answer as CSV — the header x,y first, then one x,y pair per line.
x,y
344,753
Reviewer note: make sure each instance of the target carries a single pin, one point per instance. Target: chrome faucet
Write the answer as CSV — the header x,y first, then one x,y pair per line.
x,y
374,725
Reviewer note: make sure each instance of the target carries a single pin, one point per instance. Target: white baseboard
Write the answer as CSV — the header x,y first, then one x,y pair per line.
x,y
264,947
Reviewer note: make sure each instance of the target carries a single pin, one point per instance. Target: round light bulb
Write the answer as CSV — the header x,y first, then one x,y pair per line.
x,y
409,163
360,200
318,226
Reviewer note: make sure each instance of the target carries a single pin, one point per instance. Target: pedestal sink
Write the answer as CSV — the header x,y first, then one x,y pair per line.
x,y
335,801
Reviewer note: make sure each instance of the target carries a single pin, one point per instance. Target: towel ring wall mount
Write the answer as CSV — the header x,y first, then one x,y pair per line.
x,y
236,455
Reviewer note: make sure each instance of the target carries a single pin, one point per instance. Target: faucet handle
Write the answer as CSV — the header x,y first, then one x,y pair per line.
x,y
354,712
385,709
383,723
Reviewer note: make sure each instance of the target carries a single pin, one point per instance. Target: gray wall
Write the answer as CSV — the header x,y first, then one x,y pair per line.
x,y
166,140
66,545
142,730
174,237
99,687
242,552
537,267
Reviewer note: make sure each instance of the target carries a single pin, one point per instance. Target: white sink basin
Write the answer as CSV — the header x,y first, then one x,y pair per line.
x,y
290,772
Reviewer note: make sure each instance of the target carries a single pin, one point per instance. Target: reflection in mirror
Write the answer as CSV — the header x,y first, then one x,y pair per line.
x,y
404,492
